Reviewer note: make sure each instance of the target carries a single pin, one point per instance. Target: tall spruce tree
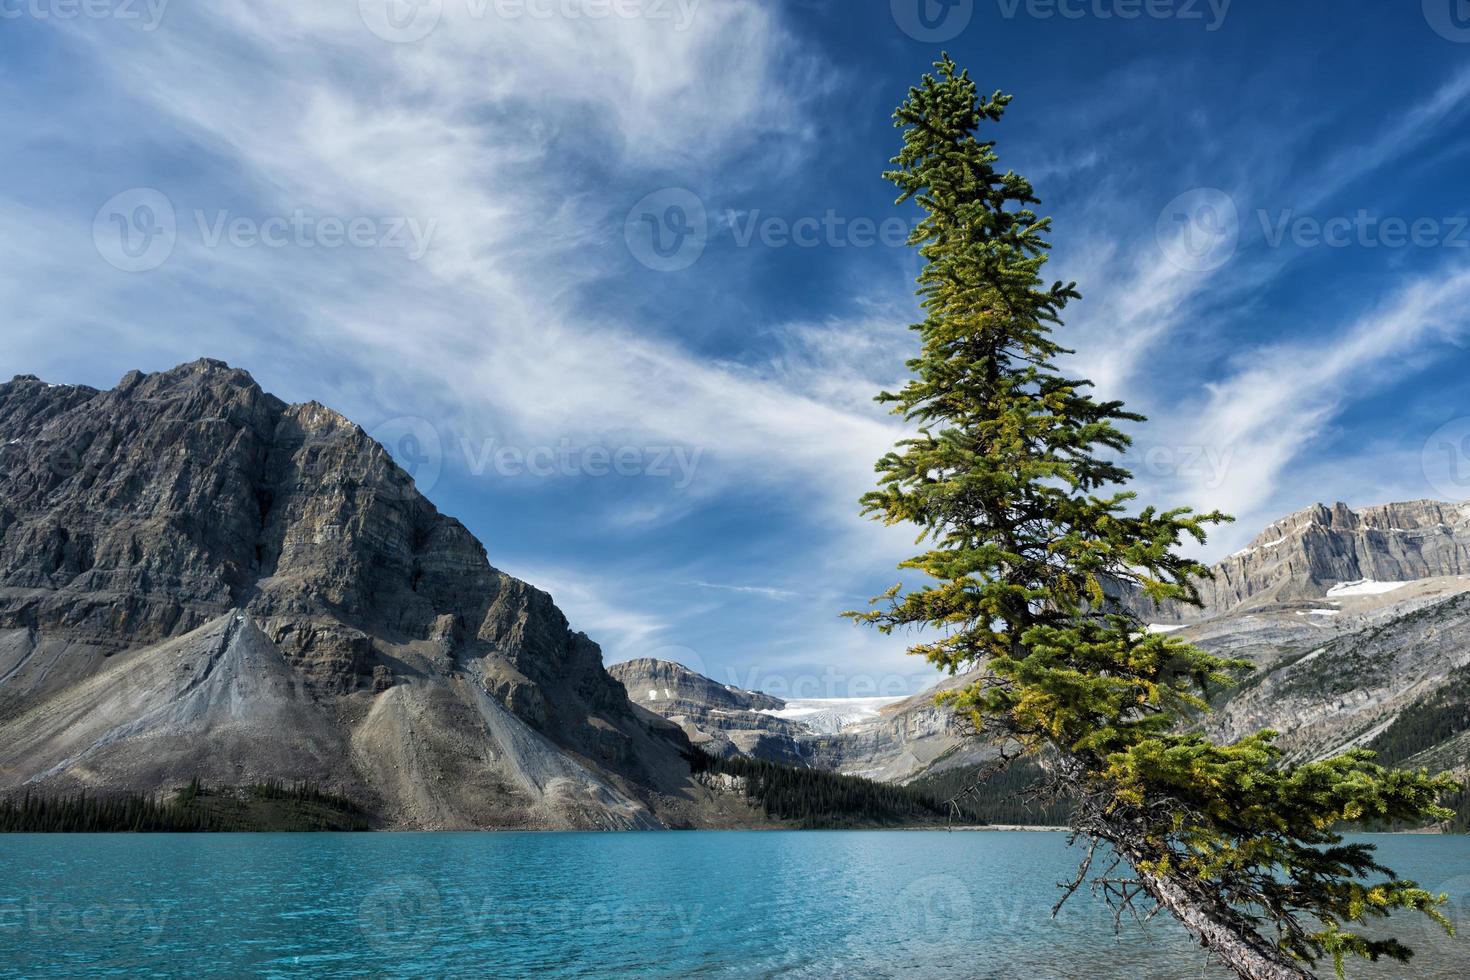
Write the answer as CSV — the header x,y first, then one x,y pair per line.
x,y
1014,483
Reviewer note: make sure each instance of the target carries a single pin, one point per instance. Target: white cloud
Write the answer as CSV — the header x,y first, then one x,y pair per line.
x,y
1266,416
766,592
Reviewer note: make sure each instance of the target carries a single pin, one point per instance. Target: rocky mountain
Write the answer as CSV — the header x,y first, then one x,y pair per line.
x,y
1359,622
198,579
718,718
889,739
1313,551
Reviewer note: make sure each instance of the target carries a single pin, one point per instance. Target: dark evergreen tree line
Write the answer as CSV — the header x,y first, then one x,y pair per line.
x,y
267,806
1013,795
813,798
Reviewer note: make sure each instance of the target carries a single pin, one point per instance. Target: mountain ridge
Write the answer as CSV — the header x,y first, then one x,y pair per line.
x,y
140,525
1303,555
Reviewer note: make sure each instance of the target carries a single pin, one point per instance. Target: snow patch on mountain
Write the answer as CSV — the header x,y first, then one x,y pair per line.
x,y
832,715
1365,586
1165,627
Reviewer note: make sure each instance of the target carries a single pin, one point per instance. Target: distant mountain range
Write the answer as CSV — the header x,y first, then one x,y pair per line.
x,y
1358,621
890,739
200,580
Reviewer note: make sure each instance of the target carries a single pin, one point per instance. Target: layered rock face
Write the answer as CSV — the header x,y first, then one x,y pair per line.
x,y
658,681
1305,555
719,719
274,553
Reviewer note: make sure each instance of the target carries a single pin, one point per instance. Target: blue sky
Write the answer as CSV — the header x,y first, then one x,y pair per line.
x,y
441,220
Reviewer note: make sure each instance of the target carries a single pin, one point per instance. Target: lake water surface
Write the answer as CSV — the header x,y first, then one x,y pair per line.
x,y
764,904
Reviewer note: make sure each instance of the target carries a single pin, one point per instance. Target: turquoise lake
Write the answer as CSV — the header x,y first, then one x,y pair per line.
x,y
767,904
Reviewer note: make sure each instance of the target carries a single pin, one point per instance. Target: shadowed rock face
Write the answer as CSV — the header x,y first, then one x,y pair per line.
x,y
150,514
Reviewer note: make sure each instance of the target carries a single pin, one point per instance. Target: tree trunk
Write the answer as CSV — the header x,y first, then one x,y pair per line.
x,y
1220,928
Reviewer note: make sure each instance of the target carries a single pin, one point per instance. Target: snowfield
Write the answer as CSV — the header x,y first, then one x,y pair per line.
x,y
1366,586
832,715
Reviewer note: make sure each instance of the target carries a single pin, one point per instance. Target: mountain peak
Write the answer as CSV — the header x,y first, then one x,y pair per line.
x,y
1303,555
138,524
